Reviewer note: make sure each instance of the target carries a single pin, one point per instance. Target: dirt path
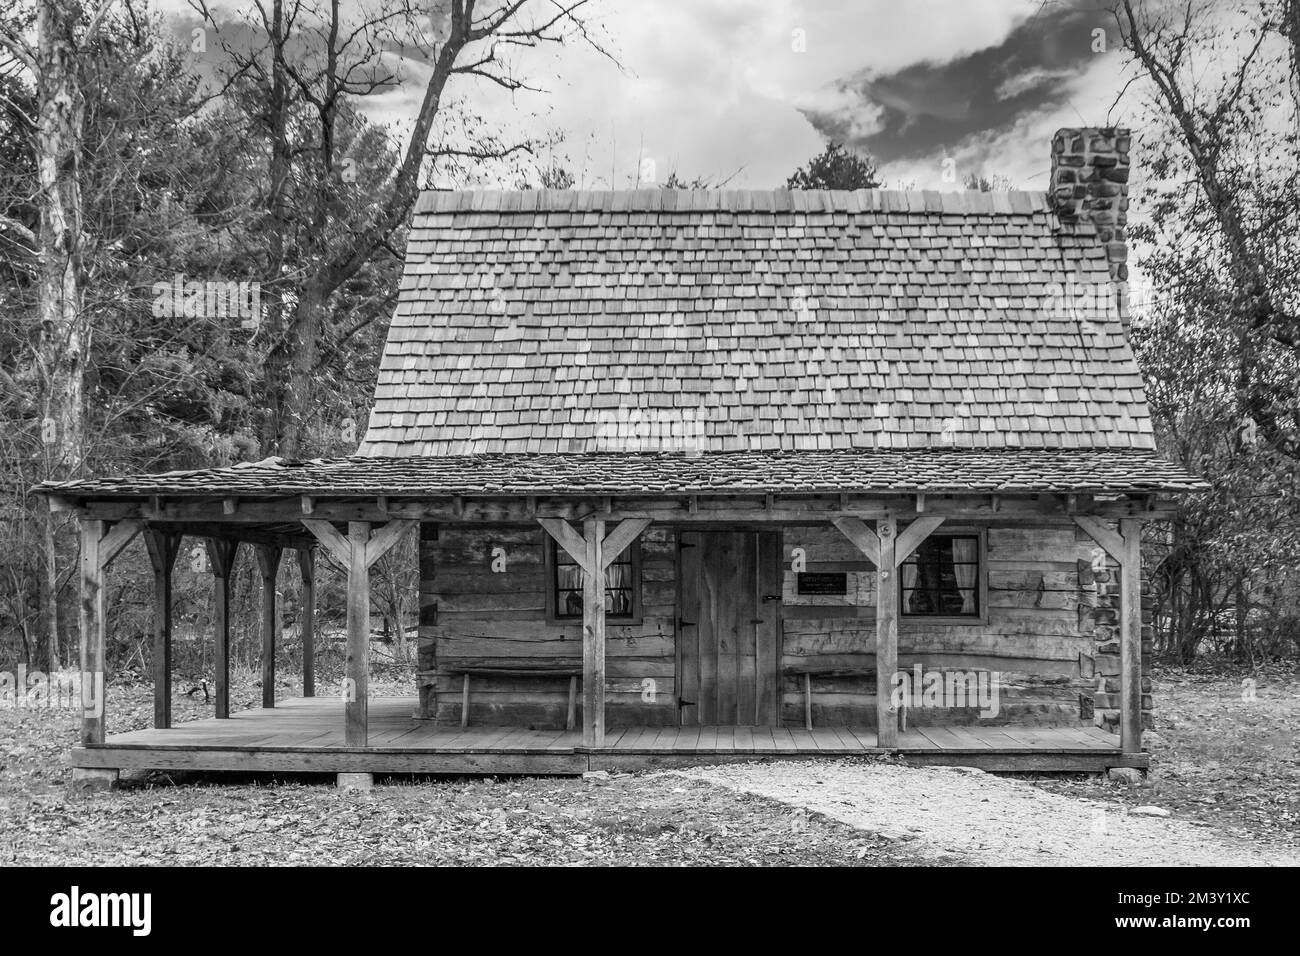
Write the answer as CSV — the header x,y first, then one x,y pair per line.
x,y
988,820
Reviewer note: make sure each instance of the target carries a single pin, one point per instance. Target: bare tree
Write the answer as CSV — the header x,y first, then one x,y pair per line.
x,y
63,29
1212,119
321,63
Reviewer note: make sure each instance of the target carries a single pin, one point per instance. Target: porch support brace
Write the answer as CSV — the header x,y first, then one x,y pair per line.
x,y
1125,546
887,549
163,548
357,552
221,556
268,565
307,619
593,551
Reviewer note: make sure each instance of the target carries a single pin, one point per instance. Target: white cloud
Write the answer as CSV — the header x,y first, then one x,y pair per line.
x,y
1020,83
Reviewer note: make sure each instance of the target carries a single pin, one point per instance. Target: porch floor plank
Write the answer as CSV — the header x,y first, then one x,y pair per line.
x,y
307,735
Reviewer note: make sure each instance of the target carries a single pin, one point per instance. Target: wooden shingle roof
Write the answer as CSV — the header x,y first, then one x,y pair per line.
x,y
589,322
920,470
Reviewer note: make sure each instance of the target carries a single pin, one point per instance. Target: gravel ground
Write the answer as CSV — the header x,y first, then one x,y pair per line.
x,y
986,820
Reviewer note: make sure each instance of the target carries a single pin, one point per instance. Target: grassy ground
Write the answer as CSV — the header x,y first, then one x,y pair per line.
x,y
1219,754
1229,762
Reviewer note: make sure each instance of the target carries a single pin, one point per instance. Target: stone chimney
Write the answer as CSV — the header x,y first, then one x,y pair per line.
x,y
1090,184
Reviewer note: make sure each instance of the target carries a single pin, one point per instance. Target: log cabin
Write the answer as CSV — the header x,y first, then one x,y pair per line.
x,y
710,475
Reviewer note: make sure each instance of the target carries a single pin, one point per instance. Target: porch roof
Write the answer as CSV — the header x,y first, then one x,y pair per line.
x,y
917,470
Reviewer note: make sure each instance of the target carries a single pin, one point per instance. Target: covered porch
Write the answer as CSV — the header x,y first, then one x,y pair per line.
x,y
358,509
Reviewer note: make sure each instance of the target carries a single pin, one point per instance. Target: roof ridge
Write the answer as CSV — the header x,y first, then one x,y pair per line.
x,y
779,201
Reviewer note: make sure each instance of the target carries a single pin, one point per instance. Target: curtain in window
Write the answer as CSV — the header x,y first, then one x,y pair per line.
x,y
618,594
965,552
909,581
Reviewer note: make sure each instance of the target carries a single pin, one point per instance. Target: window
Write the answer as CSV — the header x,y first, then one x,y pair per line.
x,y
942,578
622,585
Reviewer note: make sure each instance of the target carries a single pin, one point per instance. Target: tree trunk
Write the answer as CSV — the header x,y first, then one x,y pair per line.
x,y
63,336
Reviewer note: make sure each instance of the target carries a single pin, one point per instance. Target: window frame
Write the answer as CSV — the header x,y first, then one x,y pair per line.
x,y
550,551
981,582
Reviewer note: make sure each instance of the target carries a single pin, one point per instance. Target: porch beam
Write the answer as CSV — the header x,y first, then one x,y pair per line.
x,y
268,565
163,549
222,555
196,516
307,619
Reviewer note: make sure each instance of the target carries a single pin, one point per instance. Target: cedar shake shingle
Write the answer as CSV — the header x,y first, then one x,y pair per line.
x,y
763,321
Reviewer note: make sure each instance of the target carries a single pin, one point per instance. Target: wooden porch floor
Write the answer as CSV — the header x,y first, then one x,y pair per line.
x,y
306,735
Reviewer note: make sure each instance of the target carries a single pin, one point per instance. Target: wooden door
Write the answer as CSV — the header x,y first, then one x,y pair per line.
x,y
728,633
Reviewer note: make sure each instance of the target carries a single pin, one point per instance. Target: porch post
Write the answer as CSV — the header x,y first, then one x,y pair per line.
x,y
163,548
886,636
592,551
358,551
92,634
307,619
357,660
1130,637
1125,547
100,544
886,548
593,635
268,563
221,555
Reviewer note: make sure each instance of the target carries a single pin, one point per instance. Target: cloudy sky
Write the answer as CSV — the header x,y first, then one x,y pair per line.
x,y
747,90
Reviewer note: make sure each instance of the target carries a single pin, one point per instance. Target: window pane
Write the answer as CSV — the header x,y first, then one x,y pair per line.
x,y
941,577
619,584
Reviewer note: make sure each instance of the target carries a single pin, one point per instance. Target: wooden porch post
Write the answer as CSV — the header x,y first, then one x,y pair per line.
x,y
886,636
221,555
268,564
1125,546
358,551
92,634
593,635
307,619
886,548
163,548
100,544
593,551
357,660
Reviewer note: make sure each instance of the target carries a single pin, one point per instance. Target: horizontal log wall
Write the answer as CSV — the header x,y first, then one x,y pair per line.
x,y
1048,633
1038,637
472,615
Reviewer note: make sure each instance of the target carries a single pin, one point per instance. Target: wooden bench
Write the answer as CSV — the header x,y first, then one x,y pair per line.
x,y
488,670
809,671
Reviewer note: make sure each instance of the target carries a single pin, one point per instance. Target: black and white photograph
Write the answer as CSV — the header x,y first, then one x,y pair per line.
x,y
507,434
